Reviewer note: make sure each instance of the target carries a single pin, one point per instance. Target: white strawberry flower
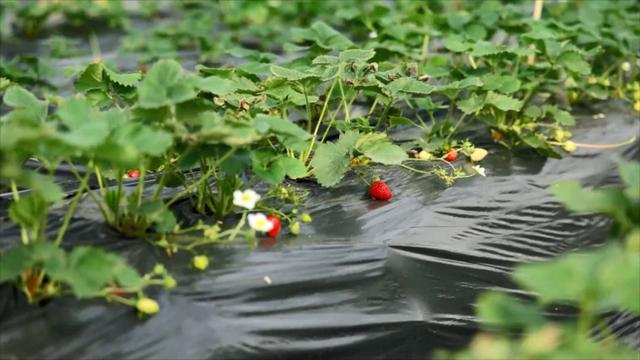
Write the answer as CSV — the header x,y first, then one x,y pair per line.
x,y
479,170
246,199
259,222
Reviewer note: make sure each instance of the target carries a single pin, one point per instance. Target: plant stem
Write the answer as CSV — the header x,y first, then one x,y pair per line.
x,y
276,211
384,113
72,208
24,237
95,47
308,106
305,156
347,116
100,182
122,300
373,107
140,186
331,121
159,186
240,224
607,146
103,209
425,50
119,193
436,159
203,177
14,191
424,125
455,127
415,170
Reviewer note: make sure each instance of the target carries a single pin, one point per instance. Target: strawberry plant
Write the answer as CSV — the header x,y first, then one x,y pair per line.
x,y
595,281
32,16
320,96
43,270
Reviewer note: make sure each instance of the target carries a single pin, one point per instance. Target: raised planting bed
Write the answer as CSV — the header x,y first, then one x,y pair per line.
x,y
243,179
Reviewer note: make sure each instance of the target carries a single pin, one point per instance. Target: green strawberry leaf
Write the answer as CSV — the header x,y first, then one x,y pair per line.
x,y
279,126
472,104
292,167
165,84
384,153
505,84
456,43
356,55
574,62
630,174
91,78
289,74
409,85
26,107
216,85
503,102
124,79
331,160
564,118
503,311
89,269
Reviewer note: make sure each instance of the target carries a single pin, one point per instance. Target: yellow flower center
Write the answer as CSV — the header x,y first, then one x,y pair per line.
x,y
260,223
246,197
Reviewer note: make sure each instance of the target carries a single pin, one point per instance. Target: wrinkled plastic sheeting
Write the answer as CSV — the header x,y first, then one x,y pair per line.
x,y
365,279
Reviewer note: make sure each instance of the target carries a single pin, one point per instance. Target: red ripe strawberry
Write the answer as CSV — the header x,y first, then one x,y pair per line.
x,y
133,174
452,155
273,233
380,191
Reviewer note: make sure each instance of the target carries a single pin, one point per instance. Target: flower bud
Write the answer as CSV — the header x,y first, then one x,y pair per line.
x,y
159,269
211,232
170,282
558,134
294,228
569,146
200,262
626,66
147,306
305,218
